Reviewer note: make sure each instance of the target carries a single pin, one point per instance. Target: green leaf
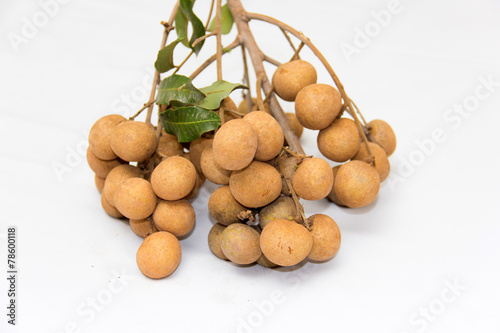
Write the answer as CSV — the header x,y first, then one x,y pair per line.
x,y
181,28
186,7
226,21
189,123
216,93
178,88
165,60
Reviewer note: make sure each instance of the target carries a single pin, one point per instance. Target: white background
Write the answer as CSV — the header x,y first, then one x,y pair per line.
x,y
434,224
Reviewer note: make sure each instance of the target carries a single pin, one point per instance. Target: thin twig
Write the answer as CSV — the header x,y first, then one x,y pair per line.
x,y
271,60
260,102
246,78
291,152
210,14
266,100
219,39
140,111
183,62
296,54
210,60
288,39
359,112
202,38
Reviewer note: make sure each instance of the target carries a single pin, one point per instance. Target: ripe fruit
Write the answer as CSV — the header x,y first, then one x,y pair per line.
x,y
169,146
264,262
235,145
381,161
313,179
143,227
110,210
133,141
101,167
317,105
100,134
99,183
223,207
381,132
285,242
173,178
214,172
176,217
339,142
289,78
270,136
135,198
332,196
215,239
196,148
159,255
281,208
116,177
294,122
326,237
240,244
357,184
257,185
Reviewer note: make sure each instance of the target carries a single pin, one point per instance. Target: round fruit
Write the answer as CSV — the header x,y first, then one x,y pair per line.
x,y
110,210
313,179
173,178
228,104
133,141
235,145
214,172
143,228
176,217
159,255
357,184
99,136
196,148
240,244
332,196
317,105
99,183
270,136
339,142
257,185
294,122
285,242
382,133
135,198
380,162
169,146
281,208
326,237
101,167
200,180
223,207
116,177
215,239
291,77
264,262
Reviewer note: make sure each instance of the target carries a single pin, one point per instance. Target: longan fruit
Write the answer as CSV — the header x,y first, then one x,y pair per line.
x,y
296,125
264,262
99,183
100,134
356,184
101,167
228,104
235,144
285,243
133,141
159,255
380,162
196,148
240,244
215,239
243,106
282,208
173,178
110,210
313,179
382,133
339,142
332,196
291,77
143,227
257,185
135,199
326,237
177,217
270,136
214,172
223,207
116,177
317,106
169,146
200,180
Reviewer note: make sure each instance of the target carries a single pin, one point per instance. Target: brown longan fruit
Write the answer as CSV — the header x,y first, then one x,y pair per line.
x,y
257,185
294,123
169,146
228,104
282,208
243,106
313,179
214,172
380,162
159,255
332,196
99,183
270,136
110,210
177,217
133,141
196,148
135,198
291,77
339,142
99,136
116,177
200,180
173,178
285,242
382,133
235,144
356,184
223,207
143,227
326,237
317,106
240,244
101,167
215,239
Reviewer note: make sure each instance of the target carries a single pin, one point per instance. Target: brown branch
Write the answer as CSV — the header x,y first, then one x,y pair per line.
x,y
260,102
246,79
271,60
289,40
296,54
146,105
210,60
202,38
219,39
183,62
210,14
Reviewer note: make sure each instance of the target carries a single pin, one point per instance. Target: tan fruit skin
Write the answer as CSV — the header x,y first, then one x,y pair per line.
x,y
101,167
313,179
282,208
257,185
332,196
214,240
133,141
116,177
381,161
176,217
143,227
100,134
264,262
196,149
214,172
289,78
174,178
383,134
110,210
235,145
99,183
339,142
270,136
223,207
357,184
240,244
135,199
285,243
317,106
159,255
326,237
